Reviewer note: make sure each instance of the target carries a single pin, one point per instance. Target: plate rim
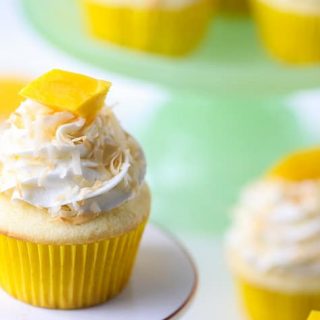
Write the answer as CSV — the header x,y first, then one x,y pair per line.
x,y
191,296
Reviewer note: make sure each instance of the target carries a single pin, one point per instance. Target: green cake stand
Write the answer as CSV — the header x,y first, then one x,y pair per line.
x,y
230,59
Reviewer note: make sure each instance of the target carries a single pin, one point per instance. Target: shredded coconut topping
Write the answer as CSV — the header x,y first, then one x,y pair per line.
x,y
57,161
277,227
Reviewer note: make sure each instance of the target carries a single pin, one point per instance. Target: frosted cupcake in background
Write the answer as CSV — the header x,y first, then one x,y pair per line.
x,y
273,247
290,29
168,27
73,199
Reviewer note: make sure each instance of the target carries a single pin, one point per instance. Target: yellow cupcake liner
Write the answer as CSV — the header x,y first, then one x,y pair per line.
x,y
234,6
67,276
289,36
164,31
263,304
314,315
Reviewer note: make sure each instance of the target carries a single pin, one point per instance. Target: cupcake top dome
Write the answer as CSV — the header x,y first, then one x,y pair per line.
x,y
277,220
64,150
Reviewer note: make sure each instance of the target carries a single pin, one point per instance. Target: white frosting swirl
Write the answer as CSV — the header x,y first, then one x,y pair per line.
x,y
277,227
55,160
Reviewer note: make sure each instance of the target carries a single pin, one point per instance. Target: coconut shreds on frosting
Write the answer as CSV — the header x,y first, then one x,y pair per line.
x,y
57,161
277,227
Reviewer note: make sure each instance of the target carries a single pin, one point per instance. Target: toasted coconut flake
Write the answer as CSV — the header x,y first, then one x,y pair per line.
x,y
19,188
43,176
89,164
116,163
94,207
16,120
76,163
79,140
76,206
55,211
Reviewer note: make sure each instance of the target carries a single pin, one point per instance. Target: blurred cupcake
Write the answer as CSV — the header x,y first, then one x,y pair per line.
x,y
234,6
173,28
273,245
73,199
290,29
9,97
314,315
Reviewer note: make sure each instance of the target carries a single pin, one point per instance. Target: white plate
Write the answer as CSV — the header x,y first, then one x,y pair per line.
x,y
163,284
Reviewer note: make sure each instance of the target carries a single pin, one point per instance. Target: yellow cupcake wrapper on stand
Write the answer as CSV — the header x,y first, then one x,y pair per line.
x,y
262,304
290,36
314,315
234,6
173,32
67,276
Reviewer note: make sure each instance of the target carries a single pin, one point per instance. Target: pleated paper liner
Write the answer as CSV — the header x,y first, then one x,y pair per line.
x,y
289,36
314,315
67,276
174,32
263,304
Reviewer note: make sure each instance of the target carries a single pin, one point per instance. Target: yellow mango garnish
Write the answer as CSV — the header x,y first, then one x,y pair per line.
x,y
67,91
299,166
314,315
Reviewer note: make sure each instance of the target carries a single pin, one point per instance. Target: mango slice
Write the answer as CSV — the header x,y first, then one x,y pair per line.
x,y
303,165
67,91
314,315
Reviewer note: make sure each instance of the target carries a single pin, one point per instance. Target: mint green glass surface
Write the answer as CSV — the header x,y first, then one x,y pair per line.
x,y
203,150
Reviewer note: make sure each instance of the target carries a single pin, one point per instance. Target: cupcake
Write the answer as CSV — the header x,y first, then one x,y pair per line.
x,y
273,245
290,29
173,28
233,6
73,199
